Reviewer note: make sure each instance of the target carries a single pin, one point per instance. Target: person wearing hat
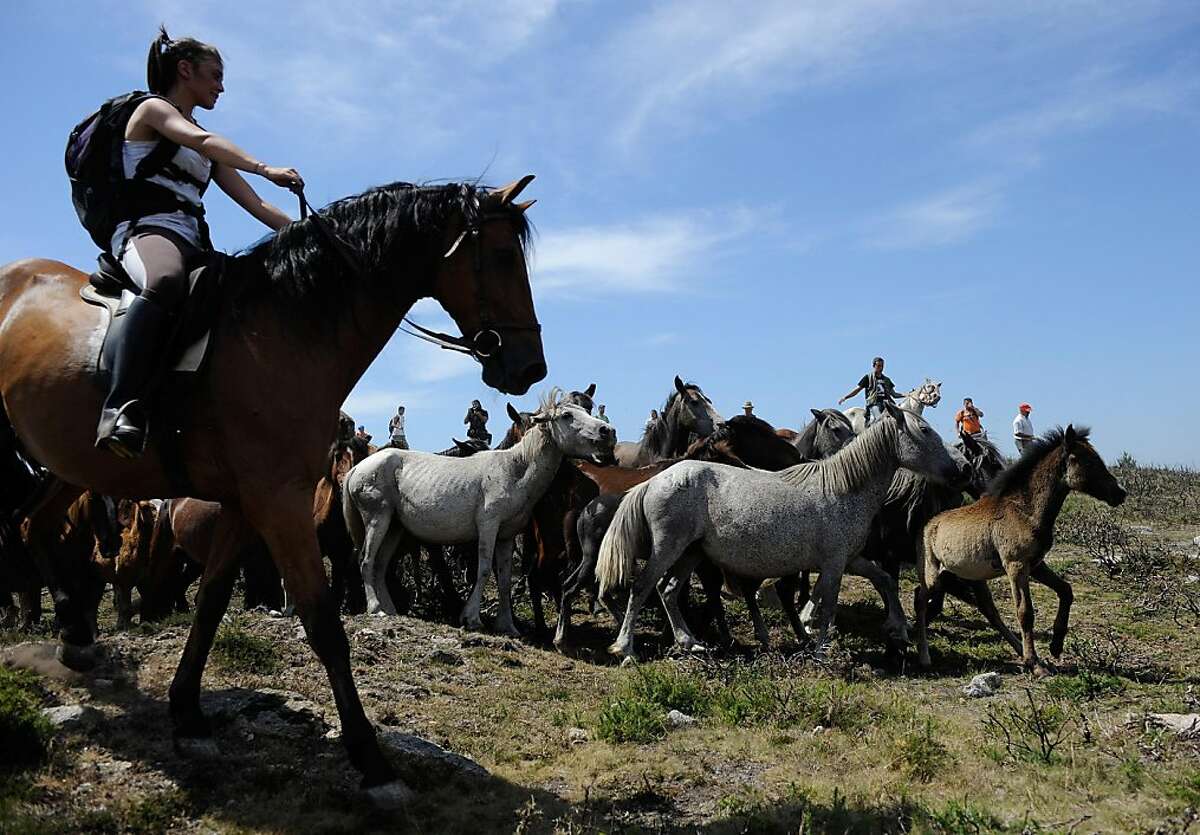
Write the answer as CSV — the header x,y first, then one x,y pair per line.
x,y
1023,428
748,408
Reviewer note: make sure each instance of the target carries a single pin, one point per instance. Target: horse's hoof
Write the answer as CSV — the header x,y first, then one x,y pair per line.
x,y
81,659
197,748
698,649
389,797
628,661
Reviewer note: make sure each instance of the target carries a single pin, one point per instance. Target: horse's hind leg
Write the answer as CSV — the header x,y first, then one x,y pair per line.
x,y
671,590
373,567
749,589
786,587
983,599
1047,577
894,626
285,522
216,586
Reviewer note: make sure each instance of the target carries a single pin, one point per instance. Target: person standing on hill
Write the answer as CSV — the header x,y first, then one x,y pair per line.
x,y
1023,428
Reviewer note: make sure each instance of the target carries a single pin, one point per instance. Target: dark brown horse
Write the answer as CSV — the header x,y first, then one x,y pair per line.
x,y
302,320
687,414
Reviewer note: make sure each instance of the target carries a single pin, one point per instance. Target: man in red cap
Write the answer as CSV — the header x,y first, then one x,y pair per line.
x,y
1023,428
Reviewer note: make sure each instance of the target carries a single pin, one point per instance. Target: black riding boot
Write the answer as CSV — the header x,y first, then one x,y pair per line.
x,y
144,328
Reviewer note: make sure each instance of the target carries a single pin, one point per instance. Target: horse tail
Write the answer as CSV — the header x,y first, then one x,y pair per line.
x,y
354,520
626,537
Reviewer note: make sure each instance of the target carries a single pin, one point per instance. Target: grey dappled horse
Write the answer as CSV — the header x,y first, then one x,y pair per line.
x,y
687,414
825,434
810,517
487,497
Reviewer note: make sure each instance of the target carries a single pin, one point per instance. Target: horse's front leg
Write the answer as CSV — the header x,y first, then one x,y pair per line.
x,y
503,553
1047,577
895,625
1018,577
230,536
486,545
284,520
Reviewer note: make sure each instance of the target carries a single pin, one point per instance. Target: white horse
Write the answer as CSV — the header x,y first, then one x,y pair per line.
x,y
487,497
760,525
929,393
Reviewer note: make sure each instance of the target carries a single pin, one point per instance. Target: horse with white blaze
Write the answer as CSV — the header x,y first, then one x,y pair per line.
x,y
445,501
810,517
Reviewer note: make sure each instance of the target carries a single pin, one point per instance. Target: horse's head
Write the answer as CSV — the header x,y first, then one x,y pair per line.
x,y
582,399
483,283
930,393
833,431
694,410
919,448
576,433
1085,470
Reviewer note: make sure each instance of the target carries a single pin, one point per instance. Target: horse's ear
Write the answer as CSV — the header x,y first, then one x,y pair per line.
x,y
1069,435
524,205
514,414
818,414
506,195
679,384
590,391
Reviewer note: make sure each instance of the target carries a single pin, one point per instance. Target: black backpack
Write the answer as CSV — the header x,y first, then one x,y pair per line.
x,y
96,169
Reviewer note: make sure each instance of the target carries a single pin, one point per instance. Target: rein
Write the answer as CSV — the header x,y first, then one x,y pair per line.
x,y
487,341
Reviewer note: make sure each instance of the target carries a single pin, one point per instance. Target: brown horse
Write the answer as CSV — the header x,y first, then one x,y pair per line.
x,y
1009,532
129,567
306,313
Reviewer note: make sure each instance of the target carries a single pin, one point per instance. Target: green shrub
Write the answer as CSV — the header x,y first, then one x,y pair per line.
x,y
1029,730
24,731
1085,686
631,720
919,754
237,650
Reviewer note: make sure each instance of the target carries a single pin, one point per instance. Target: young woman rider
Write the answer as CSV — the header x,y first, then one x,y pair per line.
x,y
163,231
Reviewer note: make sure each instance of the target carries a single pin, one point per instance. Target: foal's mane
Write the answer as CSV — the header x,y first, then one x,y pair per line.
x,y
855,464
1018,475
299,271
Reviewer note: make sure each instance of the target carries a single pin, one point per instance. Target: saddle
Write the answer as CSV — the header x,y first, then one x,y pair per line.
x,y
111,288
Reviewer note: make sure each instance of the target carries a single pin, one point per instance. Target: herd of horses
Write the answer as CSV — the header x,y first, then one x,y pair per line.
x,y
732,502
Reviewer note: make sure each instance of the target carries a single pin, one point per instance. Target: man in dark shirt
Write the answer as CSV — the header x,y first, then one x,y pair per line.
x,y
878,387
476,421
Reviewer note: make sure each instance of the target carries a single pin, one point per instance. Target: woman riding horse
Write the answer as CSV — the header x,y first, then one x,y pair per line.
x,y
161,234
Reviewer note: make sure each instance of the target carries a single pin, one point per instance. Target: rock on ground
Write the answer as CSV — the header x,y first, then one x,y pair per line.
x,y
68,716
430,759
984,684
1184,724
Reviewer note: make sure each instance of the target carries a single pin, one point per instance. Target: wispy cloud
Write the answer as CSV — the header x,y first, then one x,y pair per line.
x,y
1087,103
940,219
683,56
651,255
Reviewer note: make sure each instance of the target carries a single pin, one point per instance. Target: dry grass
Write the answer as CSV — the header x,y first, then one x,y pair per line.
x,y
782,742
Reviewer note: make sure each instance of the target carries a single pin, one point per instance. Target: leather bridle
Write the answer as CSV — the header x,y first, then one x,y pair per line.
x,y
487,340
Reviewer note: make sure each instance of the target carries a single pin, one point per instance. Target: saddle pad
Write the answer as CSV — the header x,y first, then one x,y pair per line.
x,y
188,362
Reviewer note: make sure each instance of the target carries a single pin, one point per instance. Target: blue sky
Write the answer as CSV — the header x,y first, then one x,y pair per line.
x,y
759,197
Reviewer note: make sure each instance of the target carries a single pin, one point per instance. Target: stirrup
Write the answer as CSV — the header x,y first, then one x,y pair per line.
x,y
125,441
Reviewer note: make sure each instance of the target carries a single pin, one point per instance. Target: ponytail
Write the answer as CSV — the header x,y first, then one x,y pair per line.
x,y
162,64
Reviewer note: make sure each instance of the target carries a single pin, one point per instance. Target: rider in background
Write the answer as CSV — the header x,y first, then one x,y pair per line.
x,y
967,419
158,247
476,421
879,389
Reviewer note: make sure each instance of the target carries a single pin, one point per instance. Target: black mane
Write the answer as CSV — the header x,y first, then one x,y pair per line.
x,y
1020,472
297,269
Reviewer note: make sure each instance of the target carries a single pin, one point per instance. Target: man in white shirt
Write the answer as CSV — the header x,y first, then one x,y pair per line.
x,y
1023,428
396,430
